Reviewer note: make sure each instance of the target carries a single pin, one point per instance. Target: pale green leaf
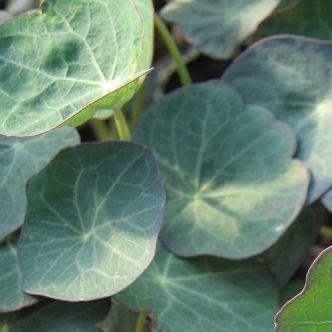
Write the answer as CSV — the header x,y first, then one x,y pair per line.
x,y
287,255
57,317
232,187
205,294
311,310
4,16
11,296
20,159
103,114
218,27
292,76
75,57
309,18
93,218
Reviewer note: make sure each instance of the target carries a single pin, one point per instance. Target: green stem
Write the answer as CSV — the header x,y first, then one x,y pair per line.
x,y
122,126
139,107
141,322
326,233
173,50
101,130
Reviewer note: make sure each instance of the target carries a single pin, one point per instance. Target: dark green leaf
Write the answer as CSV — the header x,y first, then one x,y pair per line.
x,y
11,296
218,27
232,187
93,218
205,294
311,310
56,317
62,65
309,18
20,159
292,76
286,256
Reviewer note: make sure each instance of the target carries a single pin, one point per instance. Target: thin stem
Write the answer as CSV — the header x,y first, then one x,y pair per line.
x,y
101,130
173,50
141,322
121,126
139,104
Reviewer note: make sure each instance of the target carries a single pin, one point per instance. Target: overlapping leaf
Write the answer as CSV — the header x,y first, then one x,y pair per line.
x,y
11,296
286,256
205,294
308,18
217,28
63,64
56,317
311,311
232,188
20,159
292,76
92,221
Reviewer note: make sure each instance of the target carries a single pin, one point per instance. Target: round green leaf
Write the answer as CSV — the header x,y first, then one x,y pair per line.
x,y
57,317
292,76
93,218
11,296
232,187
75,57
309,18
311,310
103,114
20,159
205,294
287,255
218,27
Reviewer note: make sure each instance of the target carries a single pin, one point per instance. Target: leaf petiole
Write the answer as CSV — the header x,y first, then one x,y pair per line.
x,y
141,322
173,50
121,126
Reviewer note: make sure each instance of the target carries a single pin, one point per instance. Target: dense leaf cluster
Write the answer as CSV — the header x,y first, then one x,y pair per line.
x,y
196,215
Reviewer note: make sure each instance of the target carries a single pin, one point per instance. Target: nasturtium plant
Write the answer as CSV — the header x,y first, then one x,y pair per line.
x,y
218,27
81,56
204,293
311,309
92,222
204,138
292,77
165,166
20,159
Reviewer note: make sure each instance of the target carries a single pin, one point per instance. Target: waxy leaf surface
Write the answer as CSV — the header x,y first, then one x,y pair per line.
x,y
292,77
287,255
311,310
93,218
74,57
232,187
20,159
11,295
308,18
205,294
218,27
56,317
